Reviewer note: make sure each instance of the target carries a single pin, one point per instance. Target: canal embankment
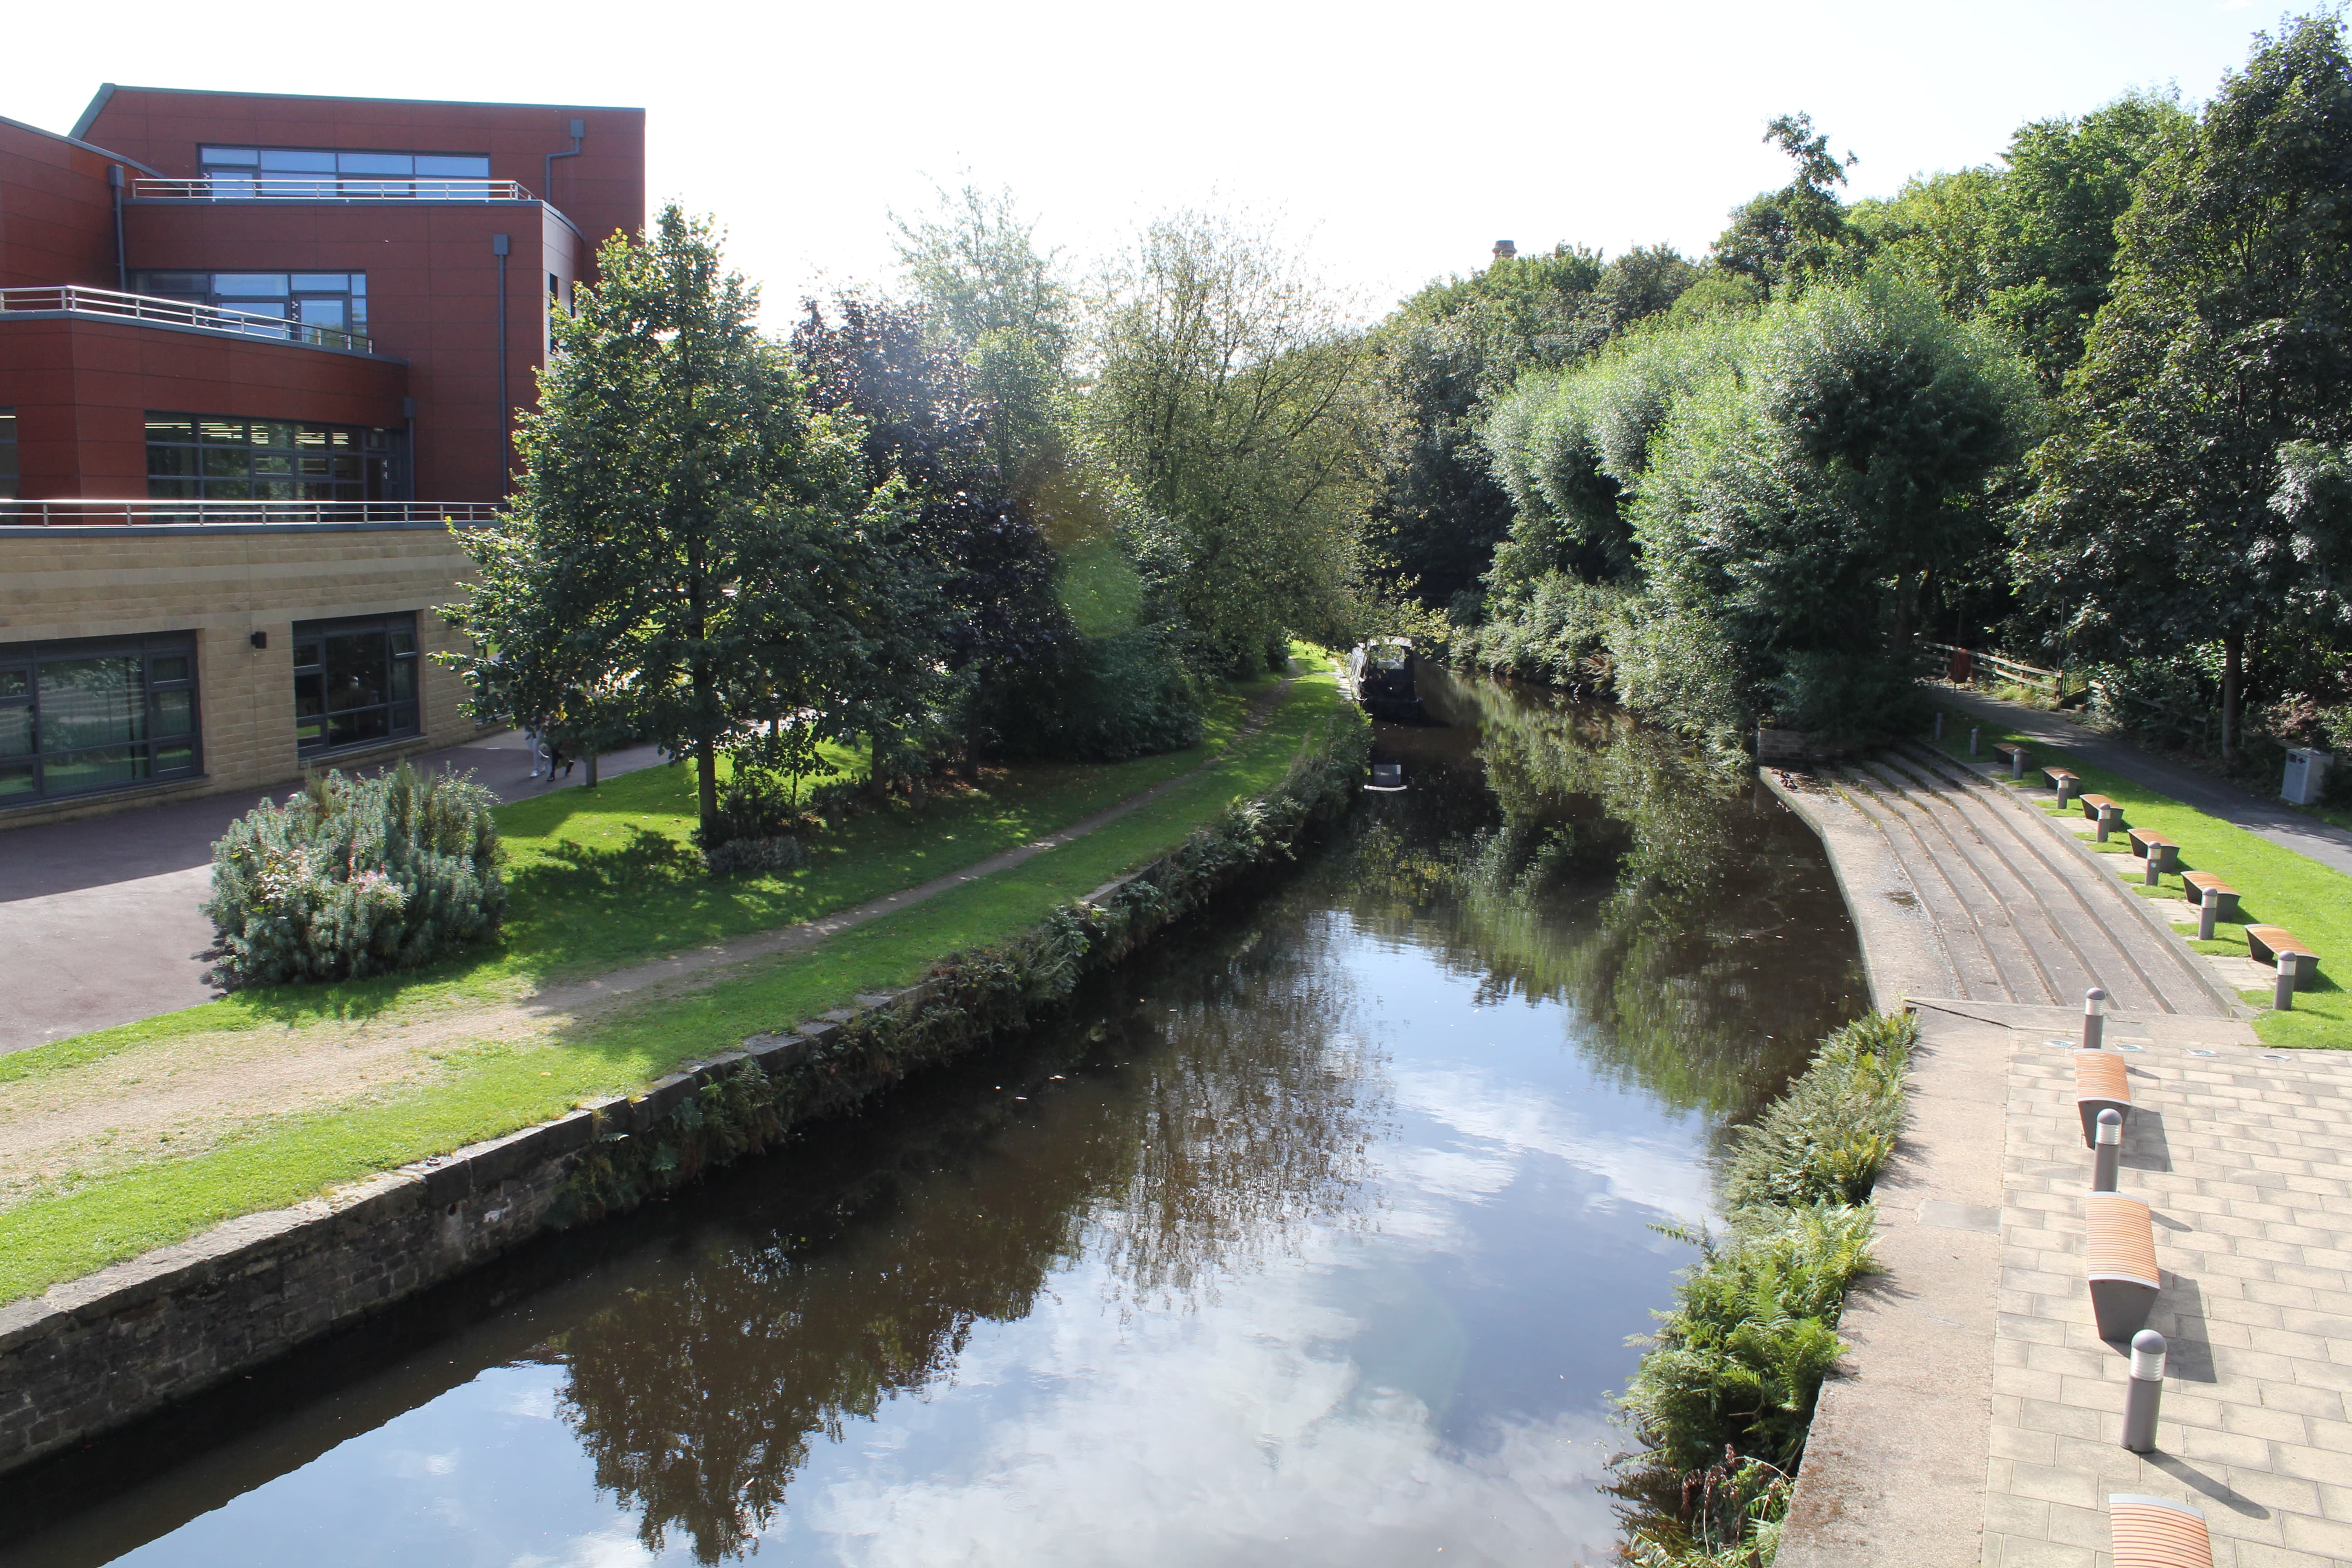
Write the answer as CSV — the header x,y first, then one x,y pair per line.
x,y
104,1349
1974,1418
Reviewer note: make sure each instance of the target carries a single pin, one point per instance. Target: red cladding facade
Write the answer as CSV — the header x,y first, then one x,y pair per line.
x,y
384,235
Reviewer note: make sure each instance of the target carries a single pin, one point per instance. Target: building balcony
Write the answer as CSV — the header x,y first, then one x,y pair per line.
x,y
107,304
327,188
77,512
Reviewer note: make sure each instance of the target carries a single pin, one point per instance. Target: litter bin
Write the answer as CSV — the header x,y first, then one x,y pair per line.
x,y
2306,776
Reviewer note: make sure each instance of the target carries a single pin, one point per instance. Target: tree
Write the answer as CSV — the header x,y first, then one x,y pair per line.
x,y
689,543
2226,340
1811,498
1445,354
1784,239
1232,398
926,435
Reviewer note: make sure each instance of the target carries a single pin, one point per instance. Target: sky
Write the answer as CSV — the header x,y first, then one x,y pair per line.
x,y
1392,144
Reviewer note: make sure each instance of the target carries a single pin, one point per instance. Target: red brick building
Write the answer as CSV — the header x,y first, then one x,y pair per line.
x,y
233,322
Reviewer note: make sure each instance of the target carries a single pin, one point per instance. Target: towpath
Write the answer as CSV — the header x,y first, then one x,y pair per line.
x,y
204,1090
1974,1419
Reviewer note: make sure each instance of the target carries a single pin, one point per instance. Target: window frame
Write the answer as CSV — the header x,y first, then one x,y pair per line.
x,y
388,625
195,459
149,650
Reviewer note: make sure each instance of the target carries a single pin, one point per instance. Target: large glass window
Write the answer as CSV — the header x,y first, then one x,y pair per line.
x,y
298,171
197,457
76,717
326,308
354,681
7,454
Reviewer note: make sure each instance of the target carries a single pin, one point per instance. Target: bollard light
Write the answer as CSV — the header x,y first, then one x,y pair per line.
x,y
2208,910
1939,724
2065,791
2150,875
2108,1151
2095,1019
2143,1391
2282,988
1972,740
2109,816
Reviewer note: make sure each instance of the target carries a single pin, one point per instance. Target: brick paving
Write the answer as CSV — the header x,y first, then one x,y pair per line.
x,y
2245,1156
2243,1153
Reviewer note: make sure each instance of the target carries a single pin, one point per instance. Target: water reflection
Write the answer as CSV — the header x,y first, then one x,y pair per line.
x,y
1316,1237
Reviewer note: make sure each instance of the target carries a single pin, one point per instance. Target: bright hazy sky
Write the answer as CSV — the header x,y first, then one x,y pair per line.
x,y
1396,143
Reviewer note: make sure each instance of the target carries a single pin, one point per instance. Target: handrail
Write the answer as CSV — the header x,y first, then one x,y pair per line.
x,y
331,188
75,511
2029,674
77,301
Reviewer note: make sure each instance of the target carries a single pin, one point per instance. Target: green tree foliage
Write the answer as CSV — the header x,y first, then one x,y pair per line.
x,y
1233,401
1444,353
1783,490
689,542
2173,510
925,426
356,877
1782,241
2032,245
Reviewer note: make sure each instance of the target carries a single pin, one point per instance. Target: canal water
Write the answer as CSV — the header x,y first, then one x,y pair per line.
x,y
1316,1235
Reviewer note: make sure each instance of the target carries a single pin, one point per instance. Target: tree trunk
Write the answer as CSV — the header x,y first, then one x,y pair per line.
x,y
877,785
706,768
592,771
2233,683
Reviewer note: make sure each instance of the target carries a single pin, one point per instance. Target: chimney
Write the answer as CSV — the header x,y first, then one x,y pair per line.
x,y
1505,250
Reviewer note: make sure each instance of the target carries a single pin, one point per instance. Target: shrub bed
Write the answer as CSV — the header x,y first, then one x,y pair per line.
x,y
356,877
1724,1395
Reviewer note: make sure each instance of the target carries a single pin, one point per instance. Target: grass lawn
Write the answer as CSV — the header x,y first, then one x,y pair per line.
x,y
600,878
2276,887
492,1088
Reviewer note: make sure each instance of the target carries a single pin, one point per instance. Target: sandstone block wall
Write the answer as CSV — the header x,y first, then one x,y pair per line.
x,y
224,584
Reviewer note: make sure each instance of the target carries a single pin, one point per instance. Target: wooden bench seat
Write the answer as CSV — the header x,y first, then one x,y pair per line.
x,y
2157,1532
2100,1082
2210,885
2146,844
2120,1262
2093,805
2059,777
2019,759
2267,943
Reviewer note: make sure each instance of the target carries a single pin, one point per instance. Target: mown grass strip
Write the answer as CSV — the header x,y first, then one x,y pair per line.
x,y
2276,887
492,1089
607,877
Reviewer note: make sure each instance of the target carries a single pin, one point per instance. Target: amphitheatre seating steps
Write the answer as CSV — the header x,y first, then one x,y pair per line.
x,y
2101,1083
2120,1262
2156,1532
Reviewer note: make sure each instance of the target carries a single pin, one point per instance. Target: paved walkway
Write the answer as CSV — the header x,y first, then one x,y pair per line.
x,y
98,919
1975,1418
2274,819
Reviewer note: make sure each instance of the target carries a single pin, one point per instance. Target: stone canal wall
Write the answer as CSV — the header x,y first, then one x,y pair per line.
x,y
101,1352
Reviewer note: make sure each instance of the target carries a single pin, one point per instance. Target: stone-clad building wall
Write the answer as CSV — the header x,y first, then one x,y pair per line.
x,y
224,584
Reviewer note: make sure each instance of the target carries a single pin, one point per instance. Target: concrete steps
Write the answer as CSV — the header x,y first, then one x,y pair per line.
x,y
2022,914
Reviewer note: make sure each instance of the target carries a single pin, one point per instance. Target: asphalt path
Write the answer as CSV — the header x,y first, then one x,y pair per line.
x,y
2276,820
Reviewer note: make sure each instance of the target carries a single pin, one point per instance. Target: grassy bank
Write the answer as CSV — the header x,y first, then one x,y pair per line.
x,y
484,1088
1724,1397
2276,887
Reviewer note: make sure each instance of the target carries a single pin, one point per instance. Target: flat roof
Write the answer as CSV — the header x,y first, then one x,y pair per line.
x,y
108,89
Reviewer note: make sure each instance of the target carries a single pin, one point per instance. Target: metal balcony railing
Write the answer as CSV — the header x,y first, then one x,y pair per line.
x,y
329,188
71,299
77,513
